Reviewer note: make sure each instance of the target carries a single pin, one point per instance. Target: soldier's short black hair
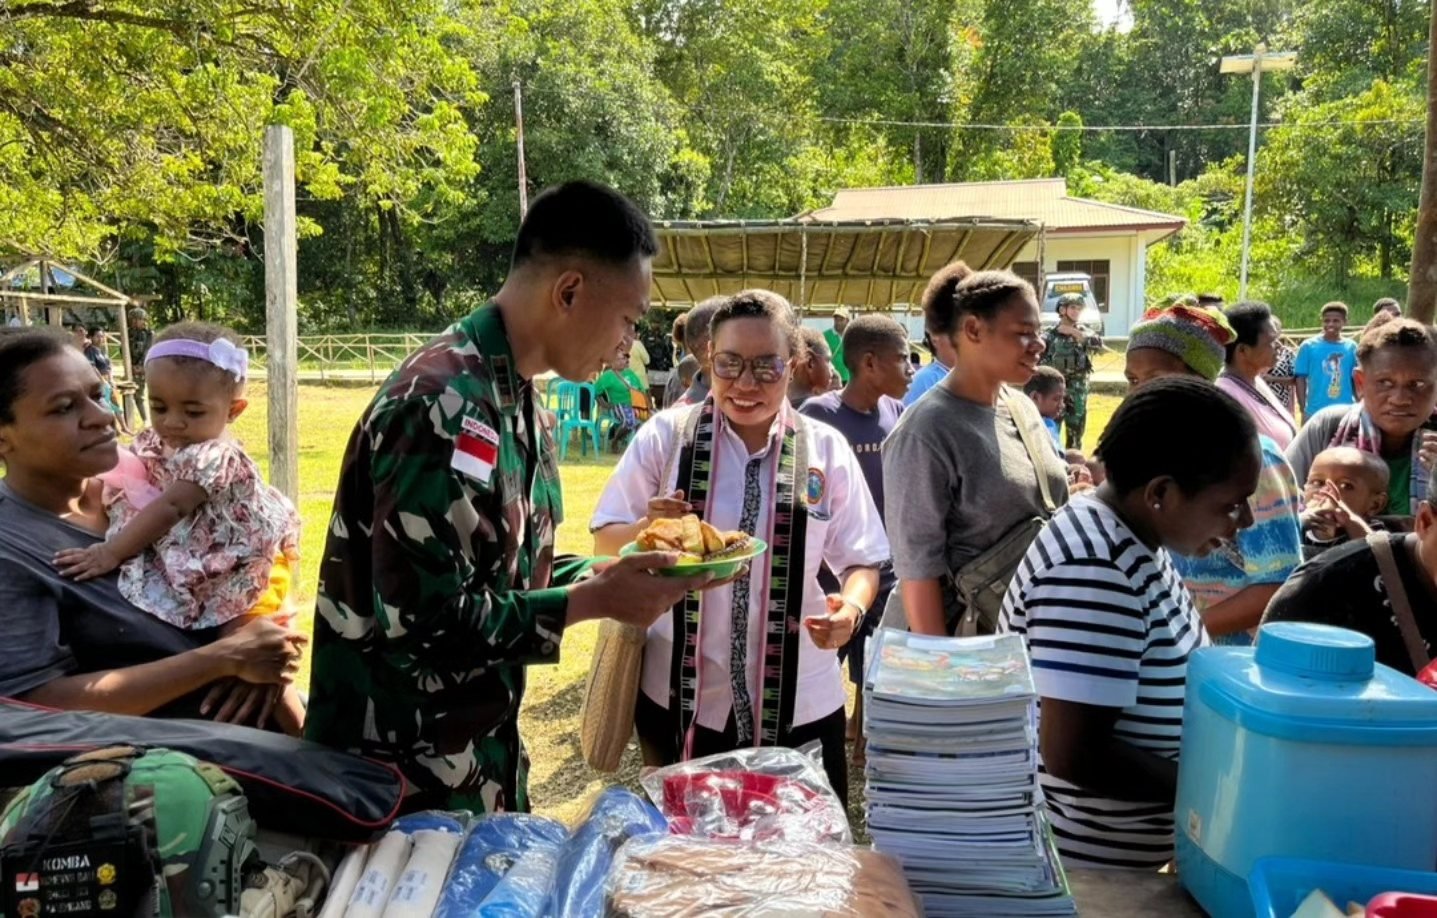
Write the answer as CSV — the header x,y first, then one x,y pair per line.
x,y
584,218
868,334
19,349
1150,436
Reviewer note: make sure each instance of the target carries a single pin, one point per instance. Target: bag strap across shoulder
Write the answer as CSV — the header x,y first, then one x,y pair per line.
x,y
1025,431
1397,593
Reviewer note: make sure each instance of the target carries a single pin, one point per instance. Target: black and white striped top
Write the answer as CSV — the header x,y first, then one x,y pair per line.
x,y
1107,622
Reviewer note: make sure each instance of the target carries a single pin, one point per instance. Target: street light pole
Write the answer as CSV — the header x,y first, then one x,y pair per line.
x,y
1259,62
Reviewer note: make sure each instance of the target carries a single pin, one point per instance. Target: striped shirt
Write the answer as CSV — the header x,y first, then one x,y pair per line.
x,y
1107,622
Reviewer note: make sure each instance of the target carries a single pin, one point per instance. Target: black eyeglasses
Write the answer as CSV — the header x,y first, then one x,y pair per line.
x,y
769,369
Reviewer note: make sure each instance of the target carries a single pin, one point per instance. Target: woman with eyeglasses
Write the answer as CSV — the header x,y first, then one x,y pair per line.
x,y
766,669
970,467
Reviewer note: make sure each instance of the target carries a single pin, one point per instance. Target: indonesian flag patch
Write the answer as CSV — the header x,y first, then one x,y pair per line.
x,y
476,451
27,882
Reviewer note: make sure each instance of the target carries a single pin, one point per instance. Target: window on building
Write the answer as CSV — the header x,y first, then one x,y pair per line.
x,y
1099,270
1028,270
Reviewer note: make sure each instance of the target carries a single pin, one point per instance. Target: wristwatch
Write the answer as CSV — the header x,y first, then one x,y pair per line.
x,y
856,607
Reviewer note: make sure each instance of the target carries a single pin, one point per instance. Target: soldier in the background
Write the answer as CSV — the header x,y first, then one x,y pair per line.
x,y
1070,350
141,337
439,582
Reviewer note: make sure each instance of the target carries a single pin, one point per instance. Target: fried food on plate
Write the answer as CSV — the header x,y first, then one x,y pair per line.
x,y
693,538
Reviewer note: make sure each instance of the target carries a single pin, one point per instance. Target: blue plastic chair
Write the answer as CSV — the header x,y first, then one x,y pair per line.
x,y
590,425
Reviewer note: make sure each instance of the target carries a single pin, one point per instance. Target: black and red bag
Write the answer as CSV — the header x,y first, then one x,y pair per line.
x,y
293,785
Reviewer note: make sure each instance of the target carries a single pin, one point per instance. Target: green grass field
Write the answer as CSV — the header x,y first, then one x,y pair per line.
x,y
560,782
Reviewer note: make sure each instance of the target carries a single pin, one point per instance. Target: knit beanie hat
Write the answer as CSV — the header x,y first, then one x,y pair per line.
x,y
1196,335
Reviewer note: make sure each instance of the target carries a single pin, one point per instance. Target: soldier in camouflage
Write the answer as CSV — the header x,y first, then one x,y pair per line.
x,y
1070,349
439,582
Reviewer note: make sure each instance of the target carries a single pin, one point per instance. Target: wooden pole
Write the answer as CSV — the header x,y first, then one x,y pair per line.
x,y
125,343
281,296
1422,288
519,133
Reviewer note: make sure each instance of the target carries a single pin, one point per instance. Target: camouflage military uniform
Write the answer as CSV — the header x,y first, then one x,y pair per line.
x,y
439,581
1073,358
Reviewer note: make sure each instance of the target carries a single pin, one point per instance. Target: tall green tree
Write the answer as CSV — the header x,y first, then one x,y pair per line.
x,y
1021,56
890,61
1342,178
133,115
743,73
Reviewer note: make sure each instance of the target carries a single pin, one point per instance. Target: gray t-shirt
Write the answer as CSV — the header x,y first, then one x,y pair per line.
x,y
957,478
52,627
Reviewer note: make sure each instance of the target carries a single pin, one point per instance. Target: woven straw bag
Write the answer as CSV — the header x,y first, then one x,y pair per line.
x,y
607,716
611,693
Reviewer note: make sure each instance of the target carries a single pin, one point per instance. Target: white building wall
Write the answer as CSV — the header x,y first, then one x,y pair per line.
x,y
1126,261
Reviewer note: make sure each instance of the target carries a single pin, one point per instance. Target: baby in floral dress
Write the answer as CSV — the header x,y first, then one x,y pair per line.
x,y
200,540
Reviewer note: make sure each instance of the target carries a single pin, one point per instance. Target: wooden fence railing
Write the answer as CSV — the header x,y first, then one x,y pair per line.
x,y
371,357
348,357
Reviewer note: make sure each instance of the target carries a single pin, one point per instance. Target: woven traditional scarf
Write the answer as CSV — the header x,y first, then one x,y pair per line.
x,y
1358,429
781,570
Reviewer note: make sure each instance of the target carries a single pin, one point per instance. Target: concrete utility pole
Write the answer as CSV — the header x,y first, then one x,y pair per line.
x,y
1422,287
1257,63
281,299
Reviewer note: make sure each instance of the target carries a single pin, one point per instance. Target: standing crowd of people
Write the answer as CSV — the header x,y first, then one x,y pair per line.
x,y
1238,481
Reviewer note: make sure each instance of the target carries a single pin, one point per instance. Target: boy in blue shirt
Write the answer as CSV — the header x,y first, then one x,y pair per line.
x,y
1325,364
1048,390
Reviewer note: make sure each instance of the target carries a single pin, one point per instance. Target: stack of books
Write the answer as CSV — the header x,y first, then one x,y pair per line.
x,y
952,775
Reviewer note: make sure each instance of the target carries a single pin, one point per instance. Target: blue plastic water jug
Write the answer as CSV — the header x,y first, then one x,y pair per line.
x,y
1301,747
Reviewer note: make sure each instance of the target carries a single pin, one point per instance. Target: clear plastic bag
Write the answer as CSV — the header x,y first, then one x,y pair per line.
x,y
677,877
495,846
616,816
758,794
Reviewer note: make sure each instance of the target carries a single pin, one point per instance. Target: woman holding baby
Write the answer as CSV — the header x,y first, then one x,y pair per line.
x,y
765,671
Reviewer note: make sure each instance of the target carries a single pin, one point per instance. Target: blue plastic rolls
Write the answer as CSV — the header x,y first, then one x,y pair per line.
x,y
496,845
585,859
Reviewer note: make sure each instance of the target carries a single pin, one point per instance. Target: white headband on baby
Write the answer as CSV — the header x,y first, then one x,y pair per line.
x,y
222,353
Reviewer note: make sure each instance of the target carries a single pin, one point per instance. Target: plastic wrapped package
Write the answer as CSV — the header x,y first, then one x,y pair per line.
x,y
496,845
346,877
677,876
525,890
436,839
386,859
757,794
616,816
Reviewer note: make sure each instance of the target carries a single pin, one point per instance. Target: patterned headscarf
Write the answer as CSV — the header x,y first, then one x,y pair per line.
x,y
1196,335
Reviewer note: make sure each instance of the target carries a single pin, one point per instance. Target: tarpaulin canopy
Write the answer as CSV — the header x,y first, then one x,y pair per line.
x,y
874,263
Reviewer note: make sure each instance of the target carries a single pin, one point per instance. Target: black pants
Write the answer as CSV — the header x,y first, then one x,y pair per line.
x,y
660,747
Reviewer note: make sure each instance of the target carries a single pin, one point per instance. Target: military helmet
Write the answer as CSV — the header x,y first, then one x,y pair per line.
x,y
1071,299
127,831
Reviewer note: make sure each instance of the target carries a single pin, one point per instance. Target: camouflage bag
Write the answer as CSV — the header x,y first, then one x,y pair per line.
x,y
126,831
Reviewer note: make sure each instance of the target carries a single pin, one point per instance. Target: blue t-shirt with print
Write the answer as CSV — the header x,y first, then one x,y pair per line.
x,y
1328,367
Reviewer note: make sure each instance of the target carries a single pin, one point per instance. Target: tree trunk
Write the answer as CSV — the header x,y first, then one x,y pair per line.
x,y
1422,288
